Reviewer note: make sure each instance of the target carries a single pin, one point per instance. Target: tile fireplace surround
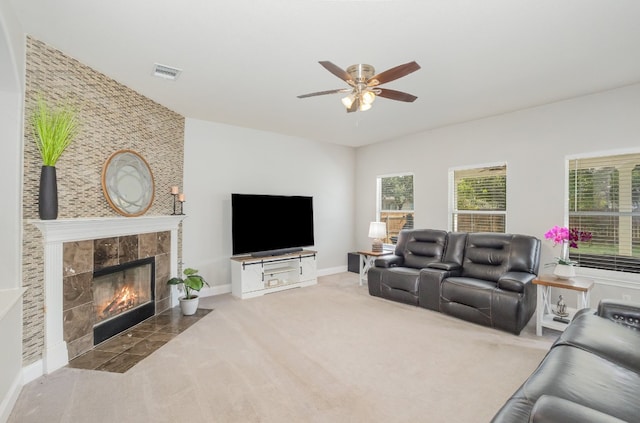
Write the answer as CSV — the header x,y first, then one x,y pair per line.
x,y
55,234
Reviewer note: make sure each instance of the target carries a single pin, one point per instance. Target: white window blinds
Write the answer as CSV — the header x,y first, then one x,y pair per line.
x,y
604,199
479,202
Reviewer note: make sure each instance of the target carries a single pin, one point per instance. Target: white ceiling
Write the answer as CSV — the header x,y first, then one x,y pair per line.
x,y
245,61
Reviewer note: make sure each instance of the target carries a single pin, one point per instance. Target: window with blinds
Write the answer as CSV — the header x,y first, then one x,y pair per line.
x,y
479,200
604,199
395,204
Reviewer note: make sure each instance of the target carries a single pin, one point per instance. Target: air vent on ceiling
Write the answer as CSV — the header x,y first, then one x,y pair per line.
x,y
166,72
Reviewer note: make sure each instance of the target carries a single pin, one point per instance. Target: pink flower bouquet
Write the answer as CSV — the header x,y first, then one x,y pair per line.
x,y
569,238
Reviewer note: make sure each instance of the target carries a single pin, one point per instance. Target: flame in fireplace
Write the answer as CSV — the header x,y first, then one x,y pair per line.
x,y
123,300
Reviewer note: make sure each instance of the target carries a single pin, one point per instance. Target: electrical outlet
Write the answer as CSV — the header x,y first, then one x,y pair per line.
x,y
626,297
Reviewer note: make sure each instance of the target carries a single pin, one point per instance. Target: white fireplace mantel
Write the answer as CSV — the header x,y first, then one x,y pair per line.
x,y
57,232
66,230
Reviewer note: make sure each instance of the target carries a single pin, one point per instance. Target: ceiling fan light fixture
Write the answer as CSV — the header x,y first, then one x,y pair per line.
x,y
364,84
364,107
368,97
348,100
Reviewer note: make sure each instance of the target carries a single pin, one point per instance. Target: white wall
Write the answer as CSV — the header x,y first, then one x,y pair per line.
x,y
533,143
11,77
221,159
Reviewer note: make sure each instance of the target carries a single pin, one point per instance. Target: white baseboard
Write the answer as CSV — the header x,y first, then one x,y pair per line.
x,y
32,371
226,288
215,290
332,270
9,400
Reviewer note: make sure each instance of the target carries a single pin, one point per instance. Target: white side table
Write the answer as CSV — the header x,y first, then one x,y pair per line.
x,y
544,310
367,261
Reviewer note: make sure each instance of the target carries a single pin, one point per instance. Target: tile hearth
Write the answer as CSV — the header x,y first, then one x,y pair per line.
x,y
123,351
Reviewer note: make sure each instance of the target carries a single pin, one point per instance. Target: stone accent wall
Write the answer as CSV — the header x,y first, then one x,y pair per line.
x,y
82,258
112,117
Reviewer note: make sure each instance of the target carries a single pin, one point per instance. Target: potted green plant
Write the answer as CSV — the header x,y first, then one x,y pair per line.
x,y
191,282
54,129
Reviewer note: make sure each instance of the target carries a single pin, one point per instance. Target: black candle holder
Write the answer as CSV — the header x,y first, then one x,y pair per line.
x,y
175,197
181,207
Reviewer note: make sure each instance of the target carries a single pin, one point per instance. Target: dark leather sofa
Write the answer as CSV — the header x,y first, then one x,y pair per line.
x,y
484,278
590,374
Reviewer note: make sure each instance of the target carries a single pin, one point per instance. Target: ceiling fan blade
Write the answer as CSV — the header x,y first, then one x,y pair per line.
x,y
393,74
339,90
337,71
396,95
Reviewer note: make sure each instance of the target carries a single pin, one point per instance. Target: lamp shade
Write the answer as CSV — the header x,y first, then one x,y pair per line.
x,y
377,230
368,97
348,100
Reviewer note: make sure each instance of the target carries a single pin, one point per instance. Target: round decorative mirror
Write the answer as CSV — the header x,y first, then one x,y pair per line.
x,y
127,183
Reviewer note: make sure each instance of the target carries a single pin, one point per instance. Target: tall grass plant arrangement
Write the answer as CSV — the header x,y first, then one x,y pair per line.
x,y
54,130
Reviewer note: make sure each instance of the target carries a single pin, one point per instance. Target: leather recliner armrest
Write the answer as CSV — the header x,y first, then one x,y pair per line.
x,y
389,261
551,409
624,312
429,286
515,281
443,265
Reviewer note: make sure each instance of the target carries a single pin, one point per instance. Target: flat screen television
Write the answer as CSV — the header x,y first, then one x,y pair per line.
x,y
264,225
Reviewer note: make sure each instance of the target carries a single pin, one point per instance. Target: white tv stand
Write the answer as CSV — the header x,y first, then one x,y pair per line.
x,y
255,276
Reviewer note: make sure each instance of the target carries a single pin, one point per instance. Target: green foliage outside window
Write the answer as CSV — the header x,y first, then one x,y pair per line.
x,y
396,205
397,192
595,205
604,199
482,193
480,199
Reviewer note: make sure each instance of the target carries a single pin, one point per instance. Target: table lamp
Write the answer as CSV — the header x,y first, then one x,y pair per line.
x,y
377,230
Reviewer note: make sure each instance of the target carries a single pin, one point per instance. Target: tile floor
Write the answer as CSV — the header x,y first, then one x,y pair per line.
x,y
123,351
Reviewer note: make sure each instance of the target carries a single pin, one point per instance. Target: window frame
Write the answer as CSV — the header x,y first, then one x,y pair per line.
x,y
379,209
452,206
606,271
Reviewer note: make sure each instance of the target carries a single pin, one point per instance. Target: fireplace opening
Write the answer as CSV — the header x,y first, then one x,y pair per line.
x,y
123,296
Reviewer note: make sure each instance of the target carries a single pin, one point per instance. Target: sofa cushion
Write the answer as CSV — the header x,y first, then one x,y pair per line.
x,y
550,409
400,284
419,247
475,293
607,339
402,278
581,377
486,256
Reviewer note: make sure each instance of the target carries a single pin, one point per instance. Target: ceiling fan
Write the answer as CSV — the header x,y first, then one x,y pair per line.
x,y
364,84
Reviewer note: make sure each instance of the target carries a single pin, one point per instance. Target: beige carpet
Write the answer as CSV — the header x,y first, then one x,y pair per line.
x,y
327,353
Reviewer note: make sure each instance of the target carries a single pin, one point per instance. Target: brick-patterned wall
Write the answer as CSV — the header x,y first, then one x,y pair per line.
x,y
112,117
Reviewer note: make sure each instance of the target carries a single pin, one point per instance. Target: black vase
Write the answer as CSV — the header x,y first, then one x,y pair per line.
x,y
48,195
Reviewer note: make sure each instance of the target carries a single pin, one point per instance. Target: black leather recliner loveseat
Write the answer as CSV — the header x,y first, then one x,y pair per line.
x,y
484,278
590,374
